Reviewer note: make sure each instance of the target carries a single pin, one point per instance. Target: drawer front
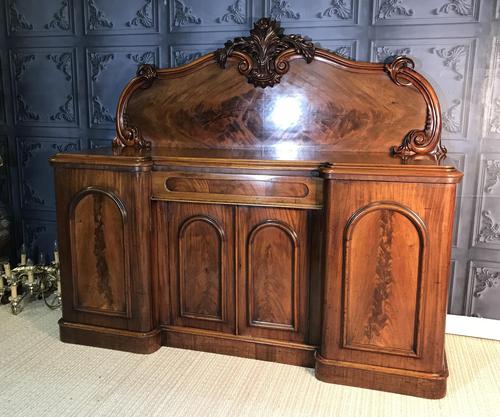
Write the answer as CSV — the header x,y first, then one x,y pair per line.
x,y
258,190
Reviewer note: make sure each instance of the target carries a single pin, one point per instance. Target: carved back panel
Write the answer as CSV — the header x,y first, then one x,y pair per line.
x,y
317,99
323,100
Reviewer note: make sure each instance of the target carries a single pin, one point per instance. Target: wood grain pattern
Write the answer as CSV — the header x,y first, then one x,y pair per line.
x,y
133,189
265,190
382,293
109,338
401,381
272,276
256,187
313,106
201,265
351,283
98,225
202,247
272,279
263,349
284,160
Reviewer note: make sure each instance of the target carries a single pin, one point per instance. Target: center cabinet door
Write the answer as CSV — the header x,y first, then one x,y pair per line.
x,y
201,257
272,247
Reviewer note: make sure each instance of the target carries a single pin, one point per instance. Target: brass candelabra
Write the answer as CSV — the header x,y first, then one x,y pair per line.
x,y
27,282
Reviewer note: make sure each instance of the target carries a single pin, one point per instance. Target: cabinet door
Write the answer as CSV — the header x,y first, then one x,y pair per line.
x,y
202,266
386,273
272,273
103,221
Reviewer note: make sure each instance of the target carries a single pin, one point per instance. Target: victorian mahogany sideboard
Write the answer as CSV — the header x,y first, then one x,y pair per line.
x,y
270,200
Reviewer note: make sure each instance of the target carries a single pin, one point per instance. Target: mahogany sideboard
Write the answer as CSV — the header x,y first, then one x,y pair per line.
x,y
270,200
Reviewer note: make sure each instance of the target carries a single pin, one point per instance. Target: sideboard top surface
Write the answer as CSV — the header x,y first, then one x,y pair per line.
x,y
285,158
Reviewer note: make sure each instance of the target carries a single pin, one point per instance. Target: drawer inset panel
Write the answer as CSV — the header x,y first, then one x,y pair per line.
x,y
260,190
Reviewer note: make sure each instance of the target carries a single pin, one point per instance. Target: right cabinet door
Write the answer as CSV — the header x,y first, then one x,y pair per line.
x,y
272,273
387,256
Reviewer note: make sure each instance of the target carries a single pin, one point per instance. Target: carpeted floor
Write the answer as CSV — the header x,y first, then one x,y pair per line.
x,y
40,376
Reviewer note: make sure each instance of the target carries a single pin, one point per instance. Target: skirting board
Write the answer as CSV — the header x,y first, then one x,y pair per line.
x,y
473,326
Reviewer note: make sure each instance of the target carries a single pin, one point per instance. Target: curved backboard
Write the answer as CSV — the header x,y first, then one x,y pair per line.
x,y
271,89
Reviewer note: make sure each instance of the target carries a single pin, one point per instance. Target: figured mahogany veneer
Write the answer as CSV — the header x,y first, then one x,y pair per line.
x,y
270,200
269,190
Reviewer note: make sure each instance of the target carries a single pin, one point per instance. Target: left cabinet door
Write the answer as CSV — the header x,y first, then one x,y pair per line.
x,y
201,254
104,223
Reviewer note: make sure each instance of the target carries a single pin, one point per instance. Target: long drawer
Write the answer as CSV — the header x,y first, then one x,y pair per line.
x,y
256,190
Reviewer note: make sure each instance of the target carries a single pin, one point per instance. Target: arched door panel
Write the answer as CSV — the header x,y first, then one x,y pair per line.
x,y
201,265
273,276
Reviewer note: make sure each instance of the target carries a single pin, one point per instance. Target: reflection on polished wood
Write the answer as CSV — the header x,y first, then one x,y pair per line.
x,y
278,203
265,190
210,108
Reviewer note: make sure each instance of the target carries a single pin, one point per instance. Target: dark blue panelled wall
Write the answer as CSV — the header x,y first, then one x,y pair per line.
x,y
63,64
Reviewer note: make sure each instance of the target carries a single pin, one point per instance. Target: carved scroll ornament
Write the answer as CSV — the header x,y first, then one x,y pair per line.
x,y
418,141
129,135
261,53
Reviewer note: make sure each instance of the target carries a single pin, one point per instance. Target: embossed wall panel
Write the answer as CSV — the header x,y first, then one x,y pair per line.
x,y
27,18
114,17
94,143
492,105
381,286
454,42
448,64
487,217
38,235
182,54
108,70
5,180
44,86
35,175
398,12
484,289
314,12
458,160
453,273
203,16
347,48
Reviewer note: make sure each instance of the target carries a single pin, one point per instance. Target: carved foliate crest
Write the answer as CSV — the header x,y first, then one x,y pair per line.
x,y
261,52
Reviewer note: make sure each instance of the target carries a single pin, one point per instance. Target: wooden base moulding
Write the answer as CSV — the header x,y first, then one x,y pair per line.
x,y
400,381
117,339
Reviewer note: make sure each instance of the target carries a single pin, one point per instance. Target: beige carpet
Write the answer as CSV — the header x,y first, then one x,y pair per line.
x,y
40,376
